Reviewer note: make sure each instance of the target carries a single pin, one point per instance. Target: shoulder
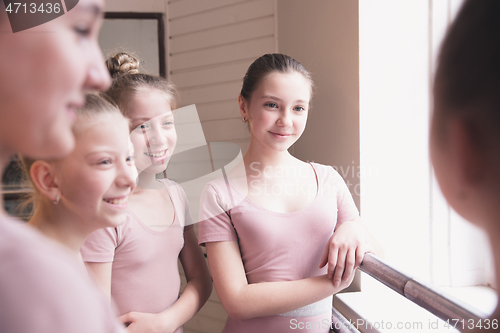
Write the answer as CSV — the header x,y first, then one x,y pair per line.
x,y
23,247
218,187
175,189
326,171
331,181
39,276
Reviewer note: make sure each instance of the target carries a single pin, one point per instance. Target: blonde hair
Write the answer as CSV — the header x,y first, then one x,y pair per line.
x,y
127,82
95,105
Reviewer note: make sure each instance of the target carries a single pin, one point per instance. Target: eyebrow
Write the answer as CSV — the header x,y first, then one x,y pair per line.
x,y
94,9
146,119
141,120
138,121
279,100
100,150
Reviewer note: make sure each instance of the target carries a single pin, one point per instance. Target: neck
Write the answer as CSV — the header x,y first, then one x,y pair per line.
x,y
147,180
65,229
262,156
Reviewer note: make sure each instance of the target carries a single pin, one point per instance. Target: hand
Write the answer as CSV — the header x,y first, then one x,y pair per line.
x,y
146,323
345,251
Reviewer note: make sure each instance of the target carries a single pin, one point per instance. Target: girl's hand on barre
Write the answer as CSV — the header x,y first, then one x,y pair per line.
x,y
139,322
345,251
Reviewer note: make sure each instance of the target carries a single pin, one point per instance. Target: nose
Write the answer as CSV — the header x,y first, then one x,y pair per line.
x,y
97,74
285,119
126,175
156,136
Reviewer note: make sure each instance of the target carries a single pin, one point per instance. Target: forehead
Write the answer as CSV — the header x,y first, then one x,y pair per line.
x,y
98,126
292,84
90,4
149,103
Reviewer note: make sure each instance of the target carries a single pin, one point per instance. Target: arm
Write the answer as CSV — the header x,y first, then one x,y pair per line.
x,y
101,271
244,301
193,297
346,249
199,285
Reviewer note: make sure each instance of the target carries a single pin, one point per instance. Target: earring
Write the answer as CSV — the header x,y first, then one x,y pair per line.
x,y
245,119
57,200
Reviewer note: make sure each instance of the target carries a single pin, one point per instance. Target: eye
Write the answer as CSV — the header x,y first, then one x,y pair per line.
x,y
271,105
168,123
130,159
84,32
142,126
299,108
105,162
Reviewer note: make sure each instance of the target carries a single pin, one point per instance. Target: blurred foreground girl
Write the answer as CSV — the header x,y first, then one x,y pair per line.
x,y
465,129
44,74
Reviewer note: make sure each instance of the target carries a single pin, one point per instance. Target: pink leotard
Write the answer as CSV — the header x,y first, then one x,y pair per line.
x,y
145,275
44,289
278,246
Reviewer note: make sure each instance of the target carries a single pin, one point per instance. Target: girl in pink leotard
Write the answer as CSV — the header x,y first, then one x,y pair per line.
x,y
88,189
137,262
270,234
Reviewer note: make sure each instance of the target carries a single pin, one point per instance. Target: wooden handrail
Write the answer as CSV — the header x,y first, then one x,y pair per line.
x,y
437,302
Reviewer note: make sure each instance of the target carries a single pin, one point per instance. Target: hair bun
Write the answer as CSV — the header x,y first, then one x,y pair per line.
x,y
122,63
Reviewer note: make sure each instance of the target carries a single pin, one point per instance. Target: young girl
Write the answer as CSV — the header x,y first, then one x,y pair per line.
x,y
88,189
465,129
44,74
264,244
136,263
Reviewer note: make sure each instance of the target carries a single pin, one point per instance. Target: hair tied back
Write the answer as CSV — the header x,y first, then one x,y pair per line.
x,y
122,63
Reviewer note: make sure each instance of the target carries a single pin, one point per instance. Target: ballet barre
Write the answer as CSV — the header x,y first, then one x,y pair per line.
x,y
430,298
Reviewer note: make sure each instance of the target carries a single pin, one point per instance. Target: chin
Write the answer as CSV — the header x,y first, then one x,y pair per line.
x,y
114,221
155,168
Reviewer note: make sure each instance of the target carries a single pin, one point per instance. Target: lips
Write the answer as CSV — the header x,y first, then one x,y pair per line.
x,y
157,154
117,201
281,135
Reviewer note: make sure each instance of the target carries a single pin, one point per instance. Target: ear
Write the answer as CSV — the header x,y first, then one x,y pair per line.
x,y
242,103
468,154
43,176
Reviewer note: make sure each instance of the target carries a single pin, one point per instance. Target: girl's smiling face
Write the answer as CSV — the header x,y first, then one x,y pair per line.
x,y
277,110
97,178
153,132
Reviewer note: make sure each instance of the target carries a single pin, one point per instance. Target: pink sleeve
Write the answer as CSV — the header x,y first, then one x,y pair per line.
x,y
215,225
347,209
100,245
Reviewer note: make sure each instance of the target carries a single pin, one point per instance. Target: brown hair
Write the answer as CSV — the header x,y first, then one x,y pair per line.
x,y
267,64
467,81
95,104
127,81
